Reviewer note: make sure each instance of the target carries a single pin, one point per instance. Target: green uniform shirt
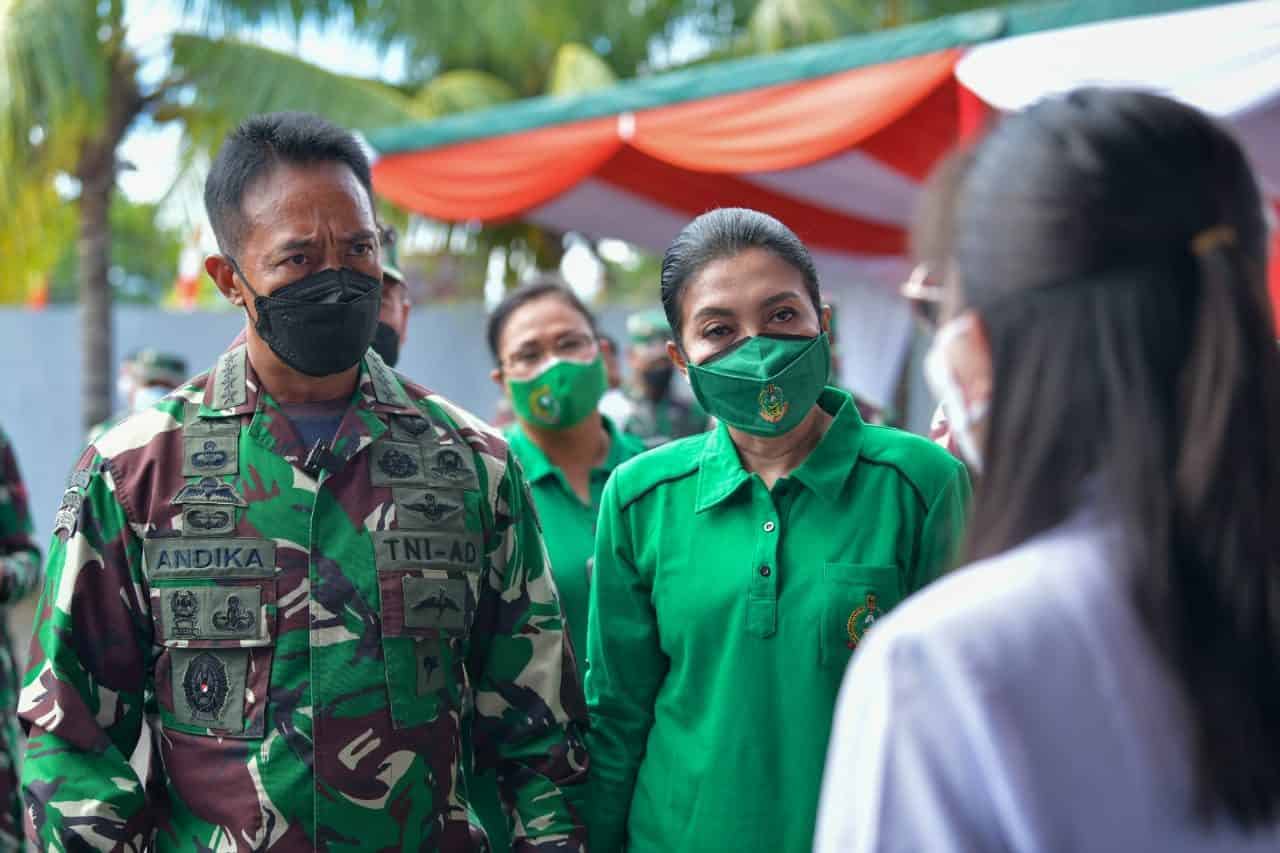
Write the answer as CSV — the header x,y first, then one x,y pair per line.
x,y
309,640
568,524
722,617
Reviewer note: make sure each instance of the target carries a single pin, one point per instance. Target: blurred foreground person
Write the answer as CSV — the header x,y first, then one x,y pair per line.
x,y
1106,675
19,574
736,570
315,573
662,409
551,365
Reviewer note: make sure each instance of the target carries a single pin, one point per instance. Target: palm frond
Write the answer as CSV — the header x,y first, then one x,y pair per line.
x,y
459,91
576,69
225,81
53,77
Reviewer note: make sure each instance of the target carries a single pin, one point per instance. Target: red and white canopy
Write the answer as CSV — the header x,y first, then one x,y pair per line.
x,y
833,139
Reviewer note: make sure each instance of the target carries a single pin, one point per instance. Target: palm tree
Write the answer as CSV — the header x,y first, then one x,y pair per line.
x,y
71,90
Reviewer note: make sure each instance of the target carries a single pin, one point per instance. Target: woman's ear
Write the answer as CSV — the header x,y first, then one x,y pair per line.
x,y
677,358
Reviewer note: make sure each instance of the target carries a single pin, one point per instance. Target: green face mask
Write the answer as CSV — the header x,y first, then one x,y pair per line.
x,y
560,396
763,385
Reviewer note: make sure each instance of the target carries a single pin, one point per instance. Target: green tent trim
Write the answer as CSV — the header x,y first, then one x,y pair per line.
x,y
803,63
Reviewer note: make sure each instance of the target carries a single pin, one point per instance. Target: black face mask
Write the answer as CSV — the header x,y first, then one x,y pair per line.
x,y
386,343
321,324
657,378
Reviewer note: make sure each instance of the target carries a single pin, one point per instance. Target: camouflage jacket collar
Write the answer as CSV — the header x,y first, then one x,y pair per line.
x,y
234,388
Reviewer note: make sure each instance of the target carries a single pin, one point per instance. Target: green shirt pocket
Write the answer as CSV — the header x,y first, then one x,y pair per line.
x,y
856,596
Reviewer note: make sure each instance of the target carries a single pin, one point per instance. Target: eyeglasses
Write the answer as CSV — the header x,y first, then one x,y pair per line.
x,y
571,347
923,293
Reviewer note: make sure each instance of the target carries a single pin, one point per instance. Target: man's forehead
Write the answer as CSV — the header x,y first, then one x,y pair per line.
x,y
316,191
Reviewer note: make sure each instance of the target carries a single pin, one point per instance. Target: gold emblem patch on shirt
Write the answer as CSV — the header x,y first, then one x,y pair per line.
x,y
861,619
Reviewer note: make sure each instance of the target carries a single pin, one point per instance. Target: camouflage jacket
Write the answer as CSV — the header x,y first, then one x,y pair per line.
x,y
19,573
307,634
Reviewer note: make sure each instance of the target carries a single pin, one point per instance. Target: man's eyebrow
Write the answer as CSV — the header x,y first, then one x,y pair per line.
x,y
362,234
295,244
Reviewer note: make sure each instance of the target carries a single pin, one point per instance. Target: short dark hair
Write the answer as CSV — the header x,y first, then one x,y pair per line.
x,y
724,233
260,143
539,287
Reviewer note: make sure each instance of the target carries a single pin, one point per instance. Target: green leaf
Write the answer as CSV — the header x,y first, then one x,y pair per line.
x,y
226,81
459,91
576,69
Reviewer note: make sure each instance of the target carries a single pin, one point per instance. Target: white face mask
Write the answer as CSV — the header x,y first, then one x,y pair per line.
x,y
145,398
962,416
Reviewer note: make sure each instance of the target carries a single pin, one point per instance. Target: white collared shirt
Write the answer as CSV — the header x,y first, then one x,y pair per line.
x,y
1016,705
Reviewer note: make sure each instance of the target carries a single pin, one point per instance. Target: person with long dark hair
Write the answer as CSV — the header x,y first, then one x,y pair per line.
x,y
736,570
1106,673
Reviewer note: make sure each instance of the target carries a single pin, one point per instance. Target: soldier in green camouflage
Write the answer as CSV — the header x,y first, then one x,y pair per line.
x,y
661,410
309,574
19,574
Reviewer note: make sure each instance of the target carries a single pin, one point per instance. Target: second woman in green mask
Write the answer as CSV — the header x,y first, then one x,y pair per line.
x,y
549,364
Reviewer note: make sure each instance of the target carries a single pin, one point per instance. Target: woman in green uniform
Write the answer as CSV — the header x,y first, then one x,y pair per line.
x,y
737,570
550,365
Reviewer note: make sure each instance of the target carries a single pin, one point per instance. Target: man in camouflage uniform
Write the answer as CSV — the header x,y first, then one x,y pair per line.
x,y
662,409
19,574
310,623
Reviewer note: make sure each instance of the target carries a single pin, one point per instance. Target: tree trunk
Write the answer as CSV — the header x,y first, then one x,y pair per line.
x,y
97,173
95,299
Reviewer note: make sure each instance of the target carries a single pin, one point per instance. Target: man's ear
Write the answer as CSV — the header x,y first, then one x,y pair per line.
x,y
606,347
677,358
496,376
224,278
824,318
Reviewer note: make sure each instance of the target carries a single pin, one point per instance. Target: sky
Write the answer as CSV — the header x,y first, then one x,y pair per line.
x,y
149,25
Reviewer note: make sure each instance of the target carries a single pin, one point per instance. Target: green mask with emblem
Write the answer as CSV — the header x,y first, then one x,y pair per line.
x,y
763,385
561,396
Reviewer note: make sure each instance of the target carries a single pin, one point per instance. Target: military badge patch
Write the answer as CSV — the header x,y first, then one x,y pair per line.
x,y
429,508
861,619
209,490
208,454
395,463
184,610
431,673
773,403
209,687
450,466
434,603
207,519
